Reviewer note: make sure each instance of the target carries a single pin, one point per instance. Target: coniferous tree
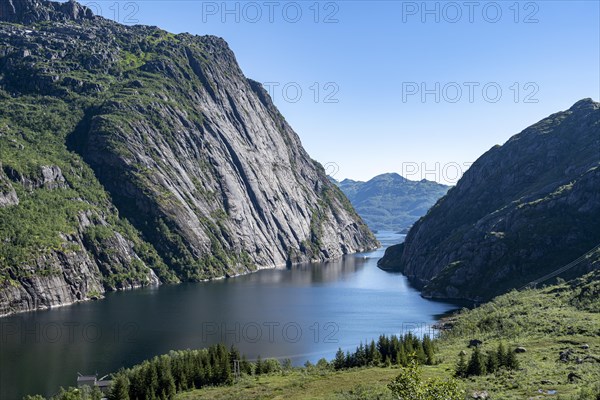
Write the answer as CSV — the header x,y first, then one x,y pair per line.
x,y
151,381
461,366
511,360
371,351
349,362
120,388
224,365
361,356
166,384
491,362
376,357
245,366
501,355
394,346
420,355
408,346
388,361
340,360
383,346
401,357
476,364
429,350
259,366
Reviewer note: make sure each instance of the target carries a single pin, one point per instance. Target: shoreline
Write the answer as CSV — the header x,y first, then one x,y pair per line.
x,y
223,277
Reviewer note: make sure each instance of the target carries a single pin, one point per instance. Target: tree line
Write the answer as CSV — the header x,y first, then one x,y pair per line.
x,y
161,377
488,363
392,350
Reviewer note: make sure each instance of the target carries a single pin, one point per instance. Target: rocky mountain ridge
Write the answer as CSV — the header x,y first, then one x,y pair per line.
x,y
390,201
131,155
522,210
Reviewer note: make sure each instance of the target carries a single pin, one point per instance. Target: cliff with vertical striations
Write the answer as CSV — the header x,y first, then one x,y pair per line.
x,y
131,155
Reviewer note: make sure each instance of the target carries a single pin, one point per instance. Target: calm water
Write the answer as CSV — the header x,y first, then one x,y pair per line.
x,y
303,313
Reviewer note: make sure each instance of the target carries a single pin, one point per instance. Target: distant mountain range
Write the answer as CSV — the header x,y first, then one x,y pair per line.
x,y
390,201
523,210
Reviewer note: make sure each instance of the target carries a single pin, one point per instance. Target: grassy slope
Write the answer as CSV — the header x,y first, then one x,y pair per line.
x,y
300,384
544,321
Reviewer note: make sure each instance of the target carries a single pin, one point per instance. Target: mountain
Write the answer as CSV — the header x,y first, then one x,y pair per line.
x,y
522,210
390,201
130,155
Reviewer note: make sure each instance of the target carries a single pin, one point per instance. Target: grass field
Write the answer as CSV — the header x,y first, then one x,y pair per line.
x,y
301,384
545,322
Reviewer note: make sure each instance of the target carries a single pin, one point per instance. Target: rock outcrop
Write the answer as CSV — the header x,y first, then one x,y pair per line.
x,y
132,154
31,11
522,210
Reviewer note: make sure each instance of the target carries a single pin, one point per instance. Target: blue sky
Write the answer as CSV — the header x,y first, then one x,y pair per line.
x,y
362,67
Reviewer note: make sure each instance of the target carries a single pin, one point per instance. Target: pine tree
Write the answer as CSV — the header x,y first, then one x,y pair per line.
x,y
501,355
245,366
151,381
476,364
225,366
461,366
383,345
511,360
166,384
377,357
120,388
408,345
259,366
361,355
201,374
388,361
394,347
401,357
347,360
420,353
371,351
429,350
491,362
340,360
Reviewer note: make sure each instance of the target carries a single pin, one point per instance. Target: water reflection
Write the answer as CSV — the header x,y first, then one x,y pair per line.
x,y
302,313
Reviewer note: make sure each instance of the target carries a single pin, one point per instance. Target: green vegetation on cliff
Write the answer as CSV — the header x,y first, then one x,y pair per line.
x,y
143,156
521,211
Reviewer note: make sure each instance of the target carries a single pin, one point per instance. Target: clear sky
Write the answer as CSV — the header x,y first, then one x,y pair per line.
x,y
370,71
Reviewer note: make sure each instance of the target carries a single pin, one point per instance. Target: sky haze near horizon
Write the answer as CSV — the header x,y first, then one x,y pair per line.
x,y
418,88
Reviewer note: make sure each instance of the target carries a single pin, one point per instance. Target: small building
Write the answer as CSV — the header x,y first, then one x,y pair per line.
x,y
86,380
104,386
93,381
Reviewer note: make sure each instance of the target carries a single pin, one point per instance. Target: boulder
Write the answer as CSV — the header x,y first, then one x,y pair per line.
x,y
520,350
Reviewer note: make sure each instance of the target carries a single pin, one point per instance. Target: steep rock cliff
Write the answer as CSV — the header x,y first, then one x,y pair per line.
x,y
130,153
522,210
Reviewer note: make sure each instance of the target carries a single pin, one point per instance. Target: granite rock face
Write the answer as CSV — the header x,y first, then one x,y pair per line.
x,y
522,210
31,11
165,162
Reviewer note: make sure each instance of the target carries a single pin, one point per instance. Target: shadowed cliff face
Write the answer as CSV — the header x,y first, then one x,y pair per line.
x,y
180,164
522,210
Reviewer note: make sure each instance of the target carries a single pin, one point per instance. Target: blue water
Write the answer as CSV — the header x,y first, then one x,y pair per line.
x,y
303,313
